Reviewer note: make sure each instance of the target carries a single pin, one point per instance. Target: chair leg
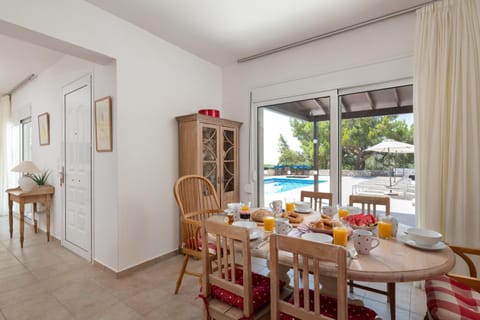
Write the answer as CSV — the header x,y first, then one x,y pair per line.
x,y
350,284
182,272
391,298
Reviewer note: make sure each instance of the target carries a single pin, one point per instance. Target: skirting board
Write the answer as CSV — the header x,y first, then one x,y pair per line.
x,y
128,271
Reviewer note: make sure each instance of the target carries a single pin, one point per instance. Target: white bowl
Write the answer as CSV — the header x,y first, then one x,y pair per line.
x,y
424,237
245,224
302,204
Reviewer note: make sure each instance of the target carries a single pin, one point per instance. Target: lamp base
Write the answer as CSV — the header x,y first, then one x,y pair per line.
x,y
27,184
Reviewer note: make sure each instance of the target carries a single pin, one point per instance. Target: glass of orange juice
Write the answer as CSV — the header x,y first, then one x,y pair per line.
x,y
385,228
245,206
342,213
289,205
340,235
268,224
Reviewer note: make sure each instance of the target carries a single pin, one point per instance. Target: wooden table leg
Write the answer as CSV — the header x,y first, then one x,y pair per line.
x,y
35,225
22,222
391,298
47,213
10,216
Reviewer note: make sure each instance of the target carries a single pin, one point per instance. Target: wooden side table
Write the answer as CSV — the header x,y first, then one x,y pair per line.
x,y
42,194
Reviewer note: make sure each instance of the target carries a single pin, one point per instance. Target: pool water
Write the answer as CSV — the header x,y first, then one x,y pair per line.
x,y
276,185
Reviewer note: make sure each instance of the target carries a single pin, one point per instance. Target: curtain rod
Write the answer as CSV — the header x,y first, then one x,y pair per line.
x,y
335,32
22,83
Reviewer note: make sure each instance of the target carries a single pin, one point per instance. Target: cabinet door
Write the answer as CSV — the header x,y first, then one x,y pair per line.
x,y
210,159
229,169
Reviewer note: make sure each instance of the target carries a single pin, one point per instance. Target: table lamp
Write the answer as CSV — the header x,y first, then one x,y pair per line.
x,y
25,182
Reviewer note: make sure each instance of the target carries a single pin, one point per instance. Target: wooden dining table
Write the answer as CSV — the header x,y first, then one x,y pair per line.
x,y
391,262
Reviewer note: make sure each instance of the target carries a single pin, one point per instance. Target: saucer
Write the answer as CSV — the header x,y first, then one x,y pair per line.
x,y
318,237
437,246
303,210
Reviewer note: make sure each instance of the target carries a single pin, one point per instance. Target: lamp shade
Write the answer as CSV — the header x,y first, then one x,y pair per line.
x,y
25,182
26,167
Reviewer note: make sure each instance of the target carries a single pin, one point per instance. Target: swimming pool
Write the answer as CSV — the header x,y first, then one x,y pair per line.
x,y
277,184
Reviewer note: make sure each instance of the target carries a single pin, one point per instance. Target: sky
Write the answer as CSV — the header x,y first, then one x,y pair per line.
x,y
276,124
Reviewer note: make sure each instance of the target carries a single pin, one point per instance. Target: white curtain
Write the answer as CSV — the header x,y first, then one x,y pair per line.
x,y
5,111
447,119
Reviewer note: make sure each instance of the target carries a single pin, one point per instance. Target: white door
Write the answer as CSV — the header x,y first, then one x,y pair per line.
x,y
77,99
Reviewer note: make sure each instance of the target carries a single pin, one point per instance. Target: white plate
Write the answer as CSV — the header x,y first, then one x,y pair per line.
x,y
303,210
255,235
437,246
317,237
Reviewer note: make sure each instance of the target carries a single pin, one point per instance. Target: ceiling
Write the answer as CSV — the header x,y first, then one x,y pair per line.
x,y
219,31
223,31
19,60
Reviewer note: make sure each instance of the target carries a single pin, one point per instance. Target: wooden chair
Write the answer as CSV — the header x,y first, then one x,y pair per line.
x,y
307,302
196,199
370,203
455,296
232,291
316,198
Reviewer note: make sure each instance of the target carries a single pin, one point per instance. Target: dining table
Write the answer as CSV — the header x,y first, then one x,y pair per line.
x,y
391,262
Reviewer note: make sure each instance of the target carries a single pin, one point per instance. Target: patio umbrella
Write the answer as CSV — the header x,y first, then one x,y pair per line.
x,y
391,146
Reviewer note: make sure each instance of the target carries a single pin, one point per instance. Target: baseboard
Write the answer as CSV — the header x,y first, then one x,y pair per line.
x,y
133,269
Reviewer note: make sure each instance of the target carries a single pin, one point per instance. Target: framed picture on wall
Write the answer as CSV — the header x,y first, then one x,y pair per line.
x,y
103,124
44,129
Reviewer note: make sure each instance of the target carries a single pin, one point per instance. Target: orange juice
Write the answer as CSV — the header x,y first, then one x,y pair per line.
x,y
340,236
289,206
268,224
384,229
245,207
342,213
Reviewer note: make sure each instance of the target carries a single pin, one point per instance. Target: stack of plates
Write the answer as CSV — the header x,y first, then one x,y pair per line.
x,y
436,246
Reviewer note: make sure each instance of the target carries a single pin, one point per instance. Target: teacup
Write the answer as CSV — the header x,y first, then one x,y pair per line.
x,y
276,206
363,241
282,226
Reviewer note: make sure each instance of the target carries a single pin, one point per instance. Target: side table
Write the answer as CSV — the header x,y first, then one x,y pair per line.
x,y
42,194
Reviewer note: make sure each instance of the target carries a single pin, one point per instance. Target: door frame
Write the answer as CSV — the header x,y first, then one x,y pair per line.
x,y
68,88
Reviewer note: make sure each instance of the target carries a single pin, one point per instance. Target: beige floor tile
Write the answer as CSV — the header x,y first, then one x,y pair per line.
x,y
118,311
22,294
16,281
89,306
41,308
148,300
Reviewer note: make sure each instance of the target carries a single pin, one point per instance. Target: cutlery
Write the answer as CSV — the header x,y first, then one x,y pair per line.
x,y
352,254
262,243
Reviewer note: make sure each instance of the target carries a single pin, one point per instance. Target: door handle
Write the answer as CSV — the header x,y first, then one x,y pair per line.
x,y
61,175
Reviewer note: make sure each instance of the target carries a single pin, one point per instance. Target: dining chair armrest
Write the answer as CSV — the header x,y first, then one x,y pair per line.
x,y
472,280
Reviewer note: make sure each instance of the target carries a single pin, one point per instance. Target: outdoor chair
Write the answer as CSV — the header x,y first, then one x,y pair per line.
x,y
307,302
232,291
370,203
196,199
316,198
455,296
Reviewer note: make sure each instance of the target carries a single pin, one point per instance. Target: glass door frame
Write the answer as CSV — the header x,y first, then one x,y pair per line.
x,y
256,145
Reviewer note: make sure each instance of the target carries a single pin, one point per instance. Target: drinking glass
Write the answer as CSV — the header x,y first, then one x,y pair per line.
x,y
289,205
342,213
340,235
268,224
385,228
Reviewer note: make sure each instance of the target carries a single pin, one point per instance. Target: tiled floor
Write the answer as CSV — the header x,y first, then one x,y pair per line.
x,y
45,281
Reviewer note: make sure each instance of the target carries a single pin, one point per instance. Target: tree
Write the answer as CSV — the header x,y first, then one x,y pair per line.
x,y
357,135
288,156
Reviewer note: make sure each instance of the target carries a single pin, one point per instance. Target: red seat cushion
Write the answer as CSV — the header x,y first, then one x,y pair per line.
x,y
260,292
449,299
328,308
191,244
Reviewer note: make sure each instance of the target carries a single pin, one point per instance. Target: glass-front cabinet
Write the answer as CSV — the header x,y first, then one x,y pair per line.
x,y
209,146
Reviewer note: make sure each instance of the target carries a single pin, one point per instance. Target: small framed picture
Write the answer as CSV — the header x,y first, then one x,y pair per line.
x,y
103,124
44,129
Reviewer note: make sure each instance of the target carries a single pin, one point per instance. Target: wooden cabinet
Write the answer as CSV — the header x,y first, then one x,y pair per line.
x,y
209,146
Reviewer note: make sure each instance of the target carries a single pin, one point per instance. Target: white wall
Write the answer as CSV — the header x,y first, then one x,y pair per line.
x,y
375,53
44,94
156,81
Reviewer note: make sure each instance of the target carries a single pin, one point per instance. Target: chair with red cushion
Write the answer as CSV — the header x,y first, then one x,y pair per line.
x,y
196,199
455,296
232,291
307,302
